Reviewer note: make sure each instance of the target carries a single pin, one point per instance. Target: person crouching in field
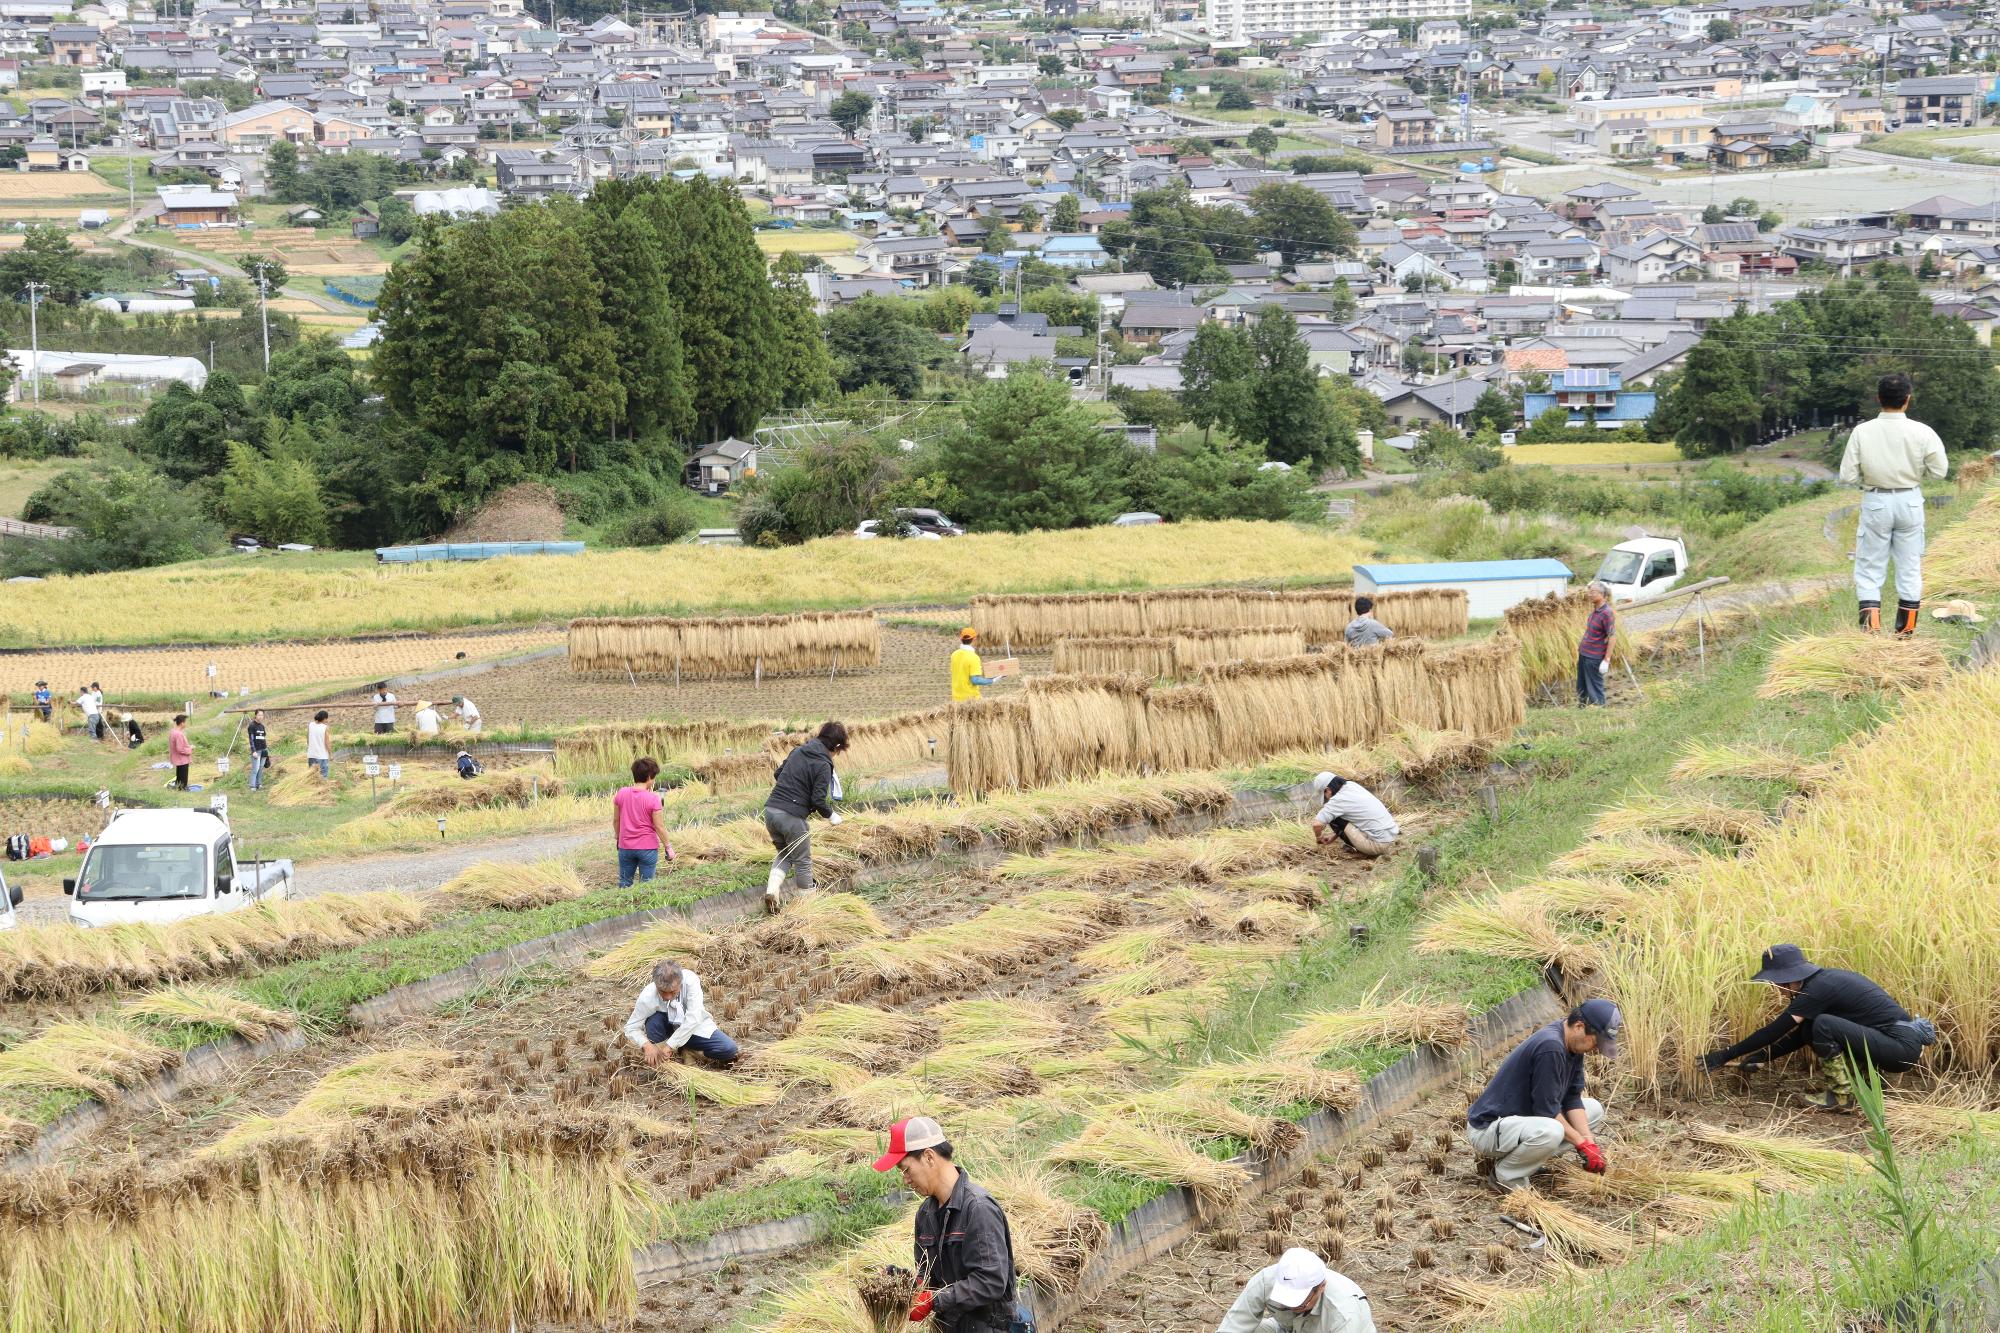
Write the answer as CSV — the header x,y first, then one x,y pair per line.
x,y
669,1016
1353,816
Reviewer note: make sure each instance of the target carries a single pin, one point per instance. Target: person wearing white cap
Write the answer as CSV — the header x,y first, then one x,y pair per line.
x,y
1299,1294
964,1250
1353,815
467,713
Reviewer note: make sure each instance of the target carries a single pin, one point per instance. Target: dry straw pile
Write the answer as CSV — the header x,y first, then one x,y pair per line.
x,y
1965,559
592,750
1852,663
711,647
1905,899
51,961
1318,614
1549,629
877,743
1068,726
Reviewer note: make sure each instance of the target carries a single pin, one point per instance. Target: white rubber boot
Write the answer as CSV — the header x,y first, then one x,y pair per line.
x,y
774,887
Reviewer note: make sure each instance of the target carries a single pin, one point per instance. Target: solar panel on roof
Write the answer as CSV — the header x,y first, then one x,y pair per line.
x,y
1584,379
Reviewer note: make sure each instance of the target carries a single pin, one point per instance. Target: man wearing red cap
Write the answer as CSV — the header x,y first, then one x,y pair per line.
x,y
1299,1294
964,1251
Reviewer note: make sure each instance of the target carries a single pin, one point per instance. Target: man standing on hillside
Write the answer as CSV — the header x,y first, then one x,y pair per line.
x,y
385,709
1888,458
1845,1017
1593,654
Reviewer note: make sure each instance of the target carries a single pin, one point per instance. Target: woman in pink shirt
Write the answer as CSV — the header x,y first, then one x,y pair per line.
x,y
636,819
179,752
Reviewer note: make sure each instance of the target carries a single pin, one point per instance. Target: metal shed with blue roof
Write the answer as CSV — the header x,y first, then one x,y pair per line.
x,y
1490,586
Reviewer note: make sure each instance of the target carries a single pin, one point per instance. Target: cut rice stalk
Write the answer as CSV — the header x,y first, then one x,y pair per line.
x,y
212,1006
814,921
1684,814
1165,973
1935,1123
1277,1083
1207,1116
1644,856
1701,760
1479,1300
859,1022
1587,897
1294,886
1130,948
1000,1020
92,1058
1275,920
1791,1160
1852,663
1571,1235
513,886
1399,1023
712,1085
1134,1148
1164,1015
635,957
1053,1238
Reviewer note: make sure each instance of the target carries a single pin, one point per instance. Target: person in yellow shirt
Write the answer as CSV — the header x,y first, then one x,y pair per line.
x,y
966,668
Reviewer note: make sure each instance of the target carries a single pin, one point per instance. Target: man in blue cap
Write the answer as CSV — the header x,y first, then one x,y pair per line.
x,y
1535,1106
1845,1017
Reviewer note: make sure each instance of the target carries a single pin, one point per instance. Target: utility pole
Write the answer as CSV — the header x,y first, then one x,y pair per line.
x,y
264,312
35,290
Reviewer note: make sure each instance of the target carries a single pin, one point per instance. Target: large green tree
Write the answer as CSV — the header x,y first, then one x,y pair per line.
x,y
1029,457
45,256
850,111
1286,413
874,342
1216,375
1298,222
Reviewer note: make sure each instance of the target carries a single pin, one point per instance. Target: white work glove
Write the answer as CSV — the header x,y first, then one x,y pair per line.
x,y
833,818
1603,666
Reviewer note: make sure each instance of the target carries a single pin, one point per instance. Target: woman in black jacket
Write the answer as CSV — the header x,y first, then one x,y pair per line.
x,y
803,786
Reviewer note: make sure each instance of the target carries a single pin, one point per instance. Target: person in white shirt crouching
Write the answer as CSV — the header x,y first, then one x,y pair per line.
x,y
669,1016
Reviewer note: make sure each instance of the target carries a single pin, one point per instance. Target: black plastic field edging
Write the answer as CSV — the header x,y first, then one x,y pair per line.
x,y
1162,1223
201,1066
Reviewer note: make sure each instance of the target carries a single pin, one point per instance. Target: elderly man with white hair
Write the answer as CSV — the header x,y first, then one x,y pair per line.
x,y
1593,654
669,1016
1299,1294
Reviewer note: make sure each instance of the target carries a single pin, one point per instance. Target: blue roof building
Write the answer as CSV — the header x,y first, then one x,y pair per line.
x,y
1592,397
1074,252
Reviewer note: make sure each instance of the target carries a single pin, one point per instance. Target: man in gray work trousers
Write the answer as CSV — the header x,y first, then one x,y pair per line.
x,y
1888,458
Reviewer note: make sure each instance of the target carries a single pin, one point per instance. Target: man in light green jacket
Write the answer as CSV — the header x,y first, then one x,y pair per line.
x,y
1299,1294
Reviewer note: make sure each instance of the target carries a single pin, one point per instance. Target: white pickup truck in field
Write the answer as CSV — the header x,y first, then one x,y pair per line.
x,y
156,866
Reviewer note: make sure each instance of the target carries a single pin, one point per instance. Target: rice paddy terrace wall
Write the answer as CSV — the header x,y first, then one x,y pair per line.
x,y
1319,614
1177,657
1061,727
714,647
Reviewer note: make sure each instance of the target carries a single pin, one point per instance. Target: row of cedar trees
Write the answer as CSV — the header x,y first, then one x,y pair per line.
x,y
1319,614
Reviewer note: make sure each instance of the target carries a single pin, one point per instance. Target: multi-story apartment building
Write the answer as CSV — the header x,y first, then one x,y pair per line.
x,y
1237,19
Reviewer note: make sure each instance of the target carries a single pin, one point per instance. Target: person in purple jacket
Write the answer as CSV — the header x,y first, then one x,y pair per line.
x,y
1593,654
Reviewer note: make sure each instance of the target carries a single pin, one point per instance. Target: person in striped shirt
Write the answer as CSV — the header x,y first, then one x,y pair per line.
x,y
1593,654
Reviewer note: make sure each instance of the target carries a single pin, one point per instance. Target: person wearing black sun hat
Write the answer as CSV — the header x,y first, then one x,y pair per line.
x,y
1847,1019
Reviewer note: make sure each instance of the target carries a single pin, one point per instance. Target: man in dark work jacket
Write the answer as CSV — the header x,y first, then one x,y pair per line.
x,y
964,1252
1845,1017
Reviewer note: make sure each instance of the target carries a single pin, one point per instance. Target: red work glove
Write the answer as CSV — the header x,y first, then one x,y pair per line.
x,y
1593,1158
922,1309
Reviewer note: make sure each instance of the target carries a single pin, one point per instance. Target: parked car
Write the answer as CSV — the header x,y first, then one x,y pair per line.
x,y
10,898
1137,519
915,523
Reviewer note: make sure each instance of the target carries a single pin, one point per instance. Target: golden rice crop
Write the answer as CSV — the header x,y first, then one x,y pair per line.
x,y
1204,1115
1964,561
879,742
1549,629
59,960
1425,756
212,1006
713,1085
514,885
1398,1023
1152,659
401,1078
449,793
1053,1238
1939,1120
1835,878
452,1228
1137,1148
1851,663
147,605
819,920
1480,1300
711,647
295,787
1162,1015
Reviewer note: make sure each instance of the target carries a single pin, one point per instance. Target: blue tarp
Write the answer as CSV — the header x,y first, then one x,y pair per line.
x,y
1464,571
403,555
